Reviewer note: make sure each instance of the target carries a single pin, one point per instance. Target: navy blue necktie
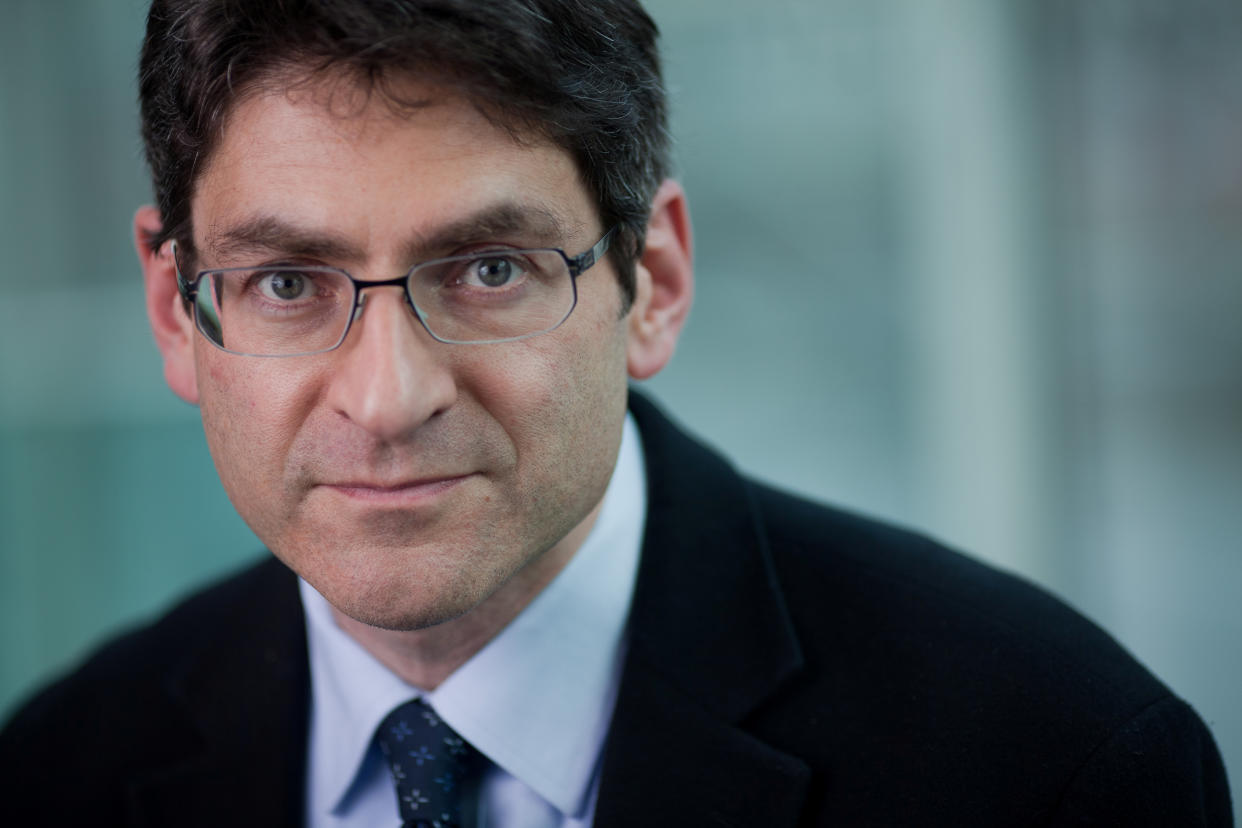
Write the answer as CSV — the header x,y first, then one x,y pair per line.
x,y
435,770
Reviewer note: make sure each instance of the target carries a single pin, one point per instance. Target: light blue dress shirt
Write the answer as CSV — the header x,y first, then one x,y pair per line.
x,y
536,700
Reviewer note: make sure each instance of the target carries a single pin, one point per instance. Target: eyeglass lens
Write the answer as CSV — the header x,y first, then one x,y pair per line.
x,y
276,311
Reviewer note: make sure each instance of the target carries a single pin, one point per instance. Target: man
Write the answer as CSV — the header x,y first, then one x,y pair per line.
x,y
404,258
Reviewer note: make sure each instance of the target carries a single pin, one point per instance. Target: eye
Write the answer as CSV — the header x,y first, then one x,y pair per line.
x,y
286,285
492,271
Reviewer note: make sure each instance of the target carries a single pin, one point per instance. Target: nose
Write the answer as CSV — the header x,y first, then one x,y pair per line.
x,y
392,377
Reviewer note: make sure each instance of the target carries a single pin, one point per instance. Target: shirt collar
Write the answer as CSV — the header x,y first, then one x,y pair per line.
x,y
537,699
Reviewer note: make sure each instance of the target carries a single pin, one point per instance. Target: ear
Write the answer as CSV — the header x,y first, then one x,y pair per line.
x,y
664,286
173,329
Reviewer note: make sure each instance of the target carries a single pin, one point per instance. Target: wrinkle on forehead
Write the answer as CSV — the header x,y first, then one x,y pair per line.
x,y
356,101
261,235
520,217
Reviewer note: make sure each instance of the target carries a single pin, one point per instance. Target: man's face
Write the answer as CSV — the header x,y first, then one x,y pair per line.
x,y
405,479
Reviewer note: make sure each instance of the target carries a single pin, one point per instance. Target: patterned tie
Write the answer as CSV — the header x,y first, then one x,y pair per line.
x,y
434,768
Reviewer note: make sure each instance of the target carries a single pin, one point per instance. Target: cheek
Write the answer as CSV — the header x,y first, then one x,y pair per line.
x,y
250,413
565,395
550,378
219,379
520,389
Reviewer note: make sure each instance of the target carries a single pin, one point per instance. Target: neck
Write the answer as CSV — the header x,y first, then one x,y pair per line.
x,y
425,658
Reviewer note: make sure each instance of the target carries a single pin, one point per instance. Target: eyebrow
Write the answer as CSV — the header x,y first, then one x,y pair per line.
x,y
266,235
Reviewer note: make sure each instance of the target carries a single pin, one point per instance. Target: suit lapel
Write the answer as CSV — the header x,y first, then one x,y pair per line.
x,y
710,641
245,691
671,763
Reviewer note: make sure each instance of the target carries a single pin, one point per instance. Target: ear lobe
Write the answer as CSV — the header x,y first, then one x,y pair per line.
x,y
174,332
664,284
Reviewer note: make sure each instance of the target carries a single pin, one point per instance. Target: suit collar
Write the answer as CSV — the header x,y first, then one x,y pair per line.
x,y
244,688
710,641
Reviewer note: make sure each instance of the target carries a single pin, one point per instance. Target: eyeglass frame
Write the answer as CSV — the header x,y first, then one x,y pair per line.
x,y
576,265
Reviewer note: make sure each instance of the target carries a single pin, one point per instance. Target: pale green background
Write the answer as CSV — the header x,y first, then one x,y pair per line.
x,y
970,265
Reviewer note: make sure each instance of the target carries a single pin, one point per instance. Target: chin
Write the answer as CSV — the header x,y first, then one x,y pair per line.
x,y
388,606
401,602
404,619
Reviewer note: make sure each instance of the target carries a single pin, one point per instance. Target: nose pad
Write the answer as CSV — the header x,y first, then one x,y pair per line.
x,y
409,303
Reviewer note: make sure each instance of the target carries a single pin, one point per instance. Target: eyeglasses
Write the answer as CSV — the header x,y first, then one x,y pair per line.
x,y
480,298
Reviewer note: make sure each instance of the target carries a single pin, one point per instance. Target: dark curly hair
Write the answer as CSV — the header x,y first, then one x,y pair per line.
x,y
582,73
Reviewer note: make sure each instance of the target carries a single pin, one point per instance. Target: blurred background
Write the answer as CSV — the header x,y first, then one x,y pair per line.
x,y
972,266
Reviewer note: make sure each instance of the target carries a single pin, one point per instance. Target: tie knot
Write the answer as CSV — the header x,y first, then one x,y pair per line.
x,y
432,766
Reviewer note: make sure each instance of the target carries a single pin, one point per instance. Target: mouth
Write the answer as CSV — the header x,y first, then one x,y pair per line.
x,y
398,493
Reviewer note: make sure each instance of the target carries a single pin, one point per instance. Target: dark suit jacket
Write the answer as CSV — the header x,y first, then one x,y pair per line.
x,y
789,665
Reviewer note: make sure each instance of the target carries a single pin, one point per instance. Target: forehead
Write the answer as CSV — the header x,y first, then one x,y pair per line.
x,y
331,156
